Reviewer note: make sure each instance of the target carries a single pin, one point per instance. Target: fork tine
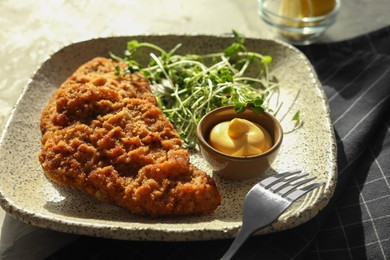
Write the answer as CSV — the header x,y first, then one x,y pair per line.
x,y
292,186
285,182
298,193
276,178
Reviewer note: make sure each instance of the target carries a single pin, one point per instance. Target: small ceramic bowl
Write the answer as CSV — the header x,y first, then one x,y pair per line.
x,y
238,167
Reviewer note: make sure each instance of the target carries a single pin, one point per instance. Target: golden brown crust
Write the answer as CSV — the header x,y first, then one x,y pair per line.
x,y
99,72
116,144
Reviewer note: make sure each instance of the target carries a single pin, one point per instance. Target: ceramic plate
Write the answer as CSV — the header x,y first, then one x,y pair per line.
x,y
29,196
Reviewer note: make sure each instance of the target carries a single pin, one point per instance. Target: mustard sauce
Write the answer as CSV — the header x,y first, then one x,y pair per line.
x,y
240,137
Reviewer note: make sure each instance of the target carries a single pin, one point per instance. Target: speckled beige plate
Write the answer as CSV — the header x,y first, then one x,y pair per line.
x,y
29,196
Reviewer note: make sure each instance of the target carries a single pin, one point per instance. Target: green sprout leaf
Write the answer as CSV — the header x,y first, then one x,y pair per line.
x,y
132,45
297,116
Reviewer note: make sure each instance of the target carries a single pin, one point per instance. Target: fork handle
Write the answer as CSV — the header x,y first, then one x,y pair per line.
x,y
241,237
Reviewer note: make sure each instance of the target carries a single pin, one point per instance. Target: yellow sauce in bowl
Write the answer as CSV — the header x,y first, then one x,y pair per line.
x,y
240,137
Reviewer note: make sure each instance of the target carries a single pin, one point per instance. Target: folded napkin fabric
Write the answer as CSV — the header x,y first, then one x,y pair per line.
x,y
356,79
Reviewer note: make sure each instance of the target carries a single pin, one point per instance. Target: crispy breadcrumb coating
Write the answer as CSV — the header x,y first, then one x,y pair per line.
x,y
104,134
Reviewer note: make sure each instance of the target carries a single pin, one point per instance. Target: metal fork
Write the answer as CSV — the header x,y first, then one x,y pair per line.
x,y
267,200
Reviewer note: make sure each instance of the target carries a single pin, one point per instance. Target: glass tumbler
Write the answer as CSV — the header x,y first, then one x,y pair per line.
x,y
300,22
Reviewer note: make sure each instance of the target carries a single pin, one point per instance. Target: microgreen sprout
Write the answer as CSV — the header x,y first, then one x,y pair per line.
x,y
297,119
189,86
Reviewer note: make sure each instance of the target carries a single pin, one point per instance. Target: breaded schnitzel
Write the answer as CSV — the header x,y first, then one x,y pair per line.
x,y
105,135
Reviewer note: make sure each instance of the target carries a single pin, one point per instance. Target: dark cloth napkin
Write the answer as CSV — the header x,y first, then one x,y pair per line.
x,y
356,223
